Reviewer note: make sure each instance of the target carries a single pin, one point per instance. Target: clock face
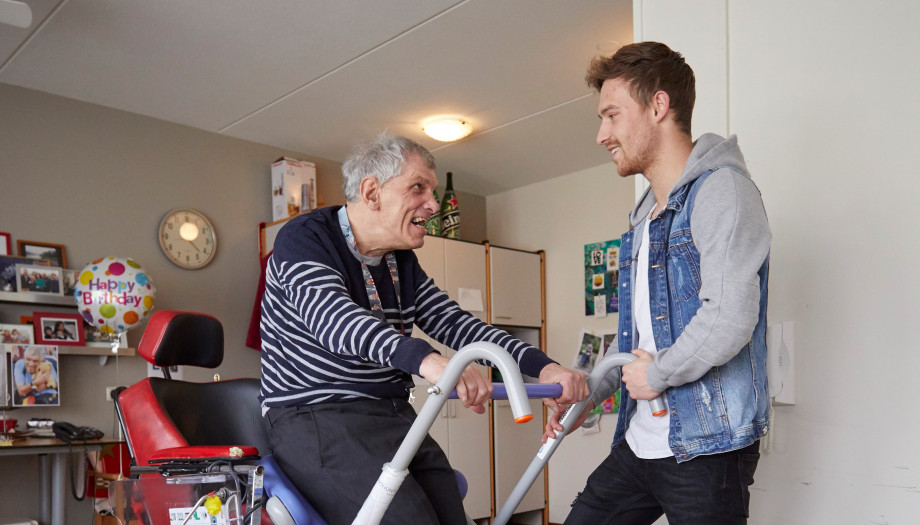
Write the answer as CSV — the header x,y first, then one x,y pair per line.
x,y
187,238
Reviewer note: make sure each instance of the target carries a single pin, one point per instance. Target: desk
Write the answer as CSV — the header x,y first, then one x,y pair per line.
x,y
53,455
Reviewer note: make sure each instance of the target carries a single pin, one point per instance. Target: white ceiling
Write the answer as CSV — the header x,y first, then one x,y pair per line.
x,y
317,76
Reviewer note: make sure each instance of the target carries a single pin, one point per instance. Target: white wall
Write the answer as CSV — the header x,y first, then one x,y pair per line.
x,y
560,216
823,97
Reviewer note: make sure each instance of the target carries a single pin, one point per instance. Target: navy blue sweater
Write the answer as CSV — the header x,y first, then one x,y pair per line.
x,y
320,343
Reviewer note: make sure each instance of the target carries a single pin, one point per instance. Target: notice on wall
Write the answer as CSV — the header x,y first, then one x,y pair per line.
x,y
601,278
470,299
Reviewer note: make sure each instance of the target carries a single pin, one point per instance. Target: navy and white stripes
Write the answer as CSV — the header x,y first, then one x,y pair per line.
x,y
320,342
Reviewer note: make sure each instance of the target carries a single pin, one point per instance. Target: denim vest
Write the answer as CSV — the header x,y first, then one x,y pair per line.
x,y
727,408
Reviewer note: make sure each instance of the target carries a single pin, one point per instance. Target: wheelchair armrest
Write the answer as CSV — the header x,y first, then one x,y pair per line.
x,y
203,453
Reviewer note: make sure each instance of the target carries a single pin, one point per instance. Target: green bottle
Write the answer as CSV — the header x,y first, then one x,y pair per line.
x,y
434,223
450,211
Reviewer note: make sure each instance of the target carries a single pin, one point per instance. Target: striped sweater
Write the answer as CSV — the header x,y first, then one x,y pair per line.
x,y
320,343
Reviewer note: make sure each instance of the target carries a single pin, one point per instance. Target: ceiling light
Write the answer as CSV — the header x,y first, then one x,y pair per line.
x,y
446,129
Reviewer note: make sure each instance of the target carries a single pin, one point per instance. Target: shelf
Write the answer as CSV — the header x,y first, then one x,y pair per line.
x,y
68,301
37,298
94,350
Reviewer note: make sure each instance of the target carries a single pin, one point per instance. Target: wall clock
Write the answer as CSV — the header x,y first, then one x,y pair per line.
x,y
187,238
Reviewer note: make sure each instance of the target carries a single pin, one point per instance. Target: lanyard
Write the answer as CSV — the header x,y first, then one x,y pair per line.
x,y
372,295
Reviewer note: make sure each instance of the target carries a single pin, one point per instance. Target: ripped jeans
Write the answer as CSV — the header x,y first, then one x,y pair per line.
x,y
707,490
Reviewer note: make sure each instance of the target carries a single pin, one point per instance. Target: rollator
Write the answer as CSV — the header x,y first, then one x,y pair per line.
x,y
195,447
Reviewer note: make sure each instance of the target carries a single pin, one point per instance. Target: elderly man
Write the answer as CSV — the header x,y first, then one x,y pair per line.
x,y
343,292
32,384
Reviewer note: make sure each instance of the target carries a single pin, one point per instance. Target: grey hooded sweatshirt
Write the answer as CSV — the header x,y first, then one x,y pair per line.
x,y
730,231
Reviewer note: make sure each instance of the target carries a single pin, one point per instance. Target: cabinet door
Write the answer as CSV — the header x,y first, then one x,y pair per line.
x,y
469,453
515,447
516,287
461,433
439,429
465,276
431,259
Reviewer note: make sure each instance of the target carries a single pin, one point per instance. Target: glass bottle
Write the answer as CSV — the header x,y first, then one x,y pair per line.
x,y
450,211
434,223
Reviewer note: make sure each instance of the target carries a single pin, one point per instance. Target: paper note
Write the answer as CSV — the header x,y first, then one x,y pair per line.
x,y
470,300
600,306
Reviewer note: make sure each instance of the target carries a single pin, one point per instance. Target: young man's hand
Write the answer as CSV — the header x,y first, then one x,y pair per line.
x,y
554,425
635,379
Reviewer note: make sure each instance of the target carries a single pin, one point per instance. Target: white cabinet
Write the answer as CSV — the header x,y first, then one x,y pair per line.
x,y
516,287
514,444
493,459
515,447
457,266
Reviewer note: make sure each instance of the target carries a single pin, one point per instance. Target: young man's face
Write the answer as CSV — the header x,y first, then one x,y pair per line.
x,y
406,203
626,128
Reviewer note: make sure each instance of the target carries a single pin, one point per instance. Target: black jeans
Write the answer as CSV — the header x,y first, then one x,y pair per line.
x,y
707,490
333,453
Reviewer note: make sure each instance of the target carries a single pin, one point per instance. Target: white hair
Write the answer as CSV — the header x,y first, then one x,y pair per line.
x,y
382,158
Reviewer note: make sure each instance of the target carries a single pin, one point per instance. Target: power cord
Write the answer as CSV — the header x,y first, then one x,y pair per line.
x,y
73,482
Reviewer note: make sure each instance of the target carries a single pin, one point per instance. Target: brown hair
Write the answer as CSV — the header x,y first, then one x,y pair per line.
x,y
649,67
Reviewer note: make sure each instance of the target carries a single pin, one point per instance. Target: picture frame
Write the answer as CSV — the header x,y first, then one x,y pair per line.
x,y
39,279
8,276
6,393
6,245
56,254
94,336
35,375
56,328
16,334
69,282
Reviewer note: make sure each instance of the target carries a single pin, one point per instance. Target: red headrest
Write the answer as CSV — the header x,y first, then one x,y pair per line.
x,y
175,338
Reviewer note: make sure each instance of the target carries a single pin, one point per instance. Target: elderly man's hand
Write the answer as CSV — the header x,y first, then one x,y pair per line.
x,y
574,384
473,388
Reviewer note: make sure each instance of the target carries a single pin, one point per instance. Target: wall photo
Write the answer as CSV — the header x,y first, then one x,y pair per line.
x,y
34,375
55,328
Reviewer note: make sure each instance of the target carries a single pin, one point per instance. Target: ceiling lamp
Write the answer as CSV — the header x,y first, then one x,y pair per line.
x,y
446,129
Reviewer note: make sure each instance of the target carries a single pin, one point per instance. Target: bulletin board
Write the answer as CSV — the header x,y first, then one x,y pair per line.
x,y
601,278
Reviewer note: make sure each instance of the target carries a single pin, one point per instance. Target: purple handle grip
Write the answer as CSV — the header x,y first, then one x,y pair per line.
x,y
534,391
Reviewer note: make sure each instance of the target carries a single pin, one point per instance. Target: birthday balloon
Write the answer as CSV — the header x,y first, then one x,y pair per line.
x,y
114,294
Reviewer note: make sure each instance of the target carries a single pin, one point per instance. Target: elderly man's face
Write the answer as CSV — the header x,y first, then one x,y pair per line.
x,y
406,203
32,362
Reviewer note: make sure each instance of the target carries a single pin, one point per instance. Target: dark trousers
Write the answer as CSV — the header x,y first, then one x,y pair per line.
x,y
707,490
333,453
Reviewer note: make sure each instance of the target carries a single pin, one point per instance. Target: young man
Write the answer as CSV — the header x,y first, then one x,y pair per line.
x,y
343,292
693,298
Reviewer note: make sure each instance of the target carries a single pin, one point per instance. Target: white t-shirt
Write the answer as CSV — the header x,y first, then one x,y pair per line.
x,y
647,435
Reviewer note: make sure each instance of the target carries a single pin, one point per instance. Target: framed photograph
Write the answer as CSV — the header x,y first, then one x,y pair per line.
x,y
39,279
70,281
16,334
34,375
6,393
55,254
55,328
5,246
8,270
96,337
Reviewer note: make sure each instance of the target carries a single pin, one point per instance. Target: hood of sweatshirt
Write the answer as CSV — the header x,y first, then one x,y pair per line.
x,y
710,151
